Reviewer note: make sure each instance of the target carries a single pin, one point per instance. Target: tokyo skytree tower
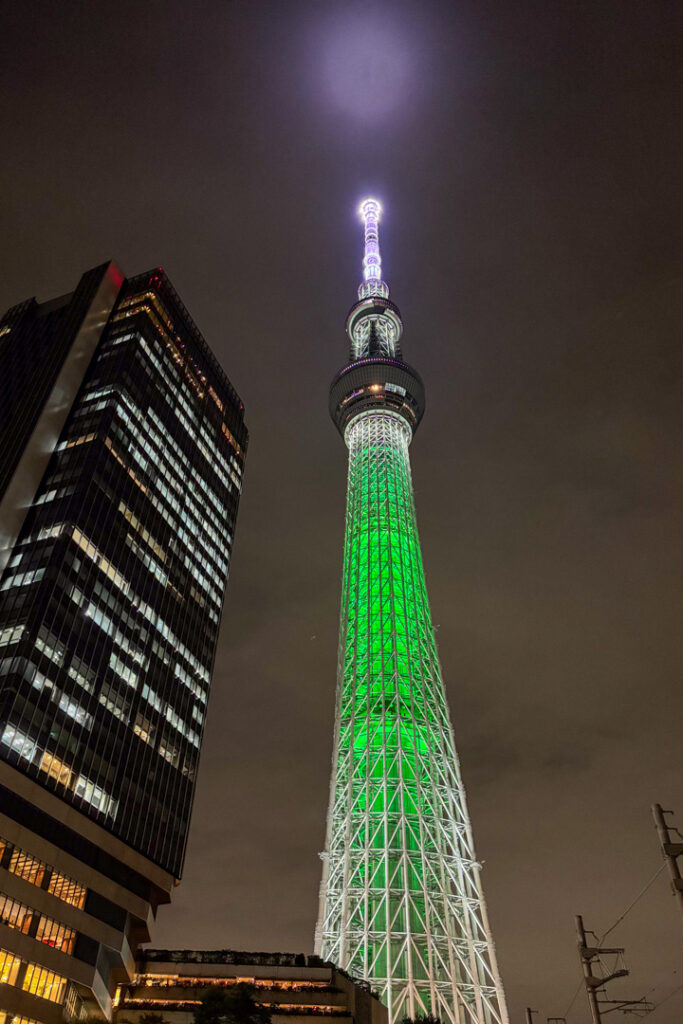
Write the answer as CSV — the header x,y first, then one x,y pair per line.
x,y
401,903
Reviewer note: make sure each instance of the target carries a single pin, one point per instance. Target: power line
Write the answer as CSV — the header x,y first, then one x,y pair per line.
x,y
632,905
566,1012
664,1000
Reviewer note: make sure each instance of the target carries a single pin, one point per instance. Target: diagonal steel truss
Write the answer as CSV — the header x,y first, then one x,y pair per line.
x,y
401,901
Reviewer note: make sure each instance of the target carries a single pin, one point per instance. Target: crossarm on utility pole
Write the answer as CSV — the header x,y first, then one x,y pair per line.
x,y
594,983
671,852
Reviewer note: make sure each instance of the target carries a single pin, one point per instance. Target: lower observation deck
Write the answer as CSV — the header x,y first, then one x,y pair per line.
x,y
379,383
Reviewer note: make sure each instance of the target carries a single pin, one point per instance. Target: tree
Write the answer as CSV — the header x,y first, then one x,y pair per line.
x,y
422,1018
233,1005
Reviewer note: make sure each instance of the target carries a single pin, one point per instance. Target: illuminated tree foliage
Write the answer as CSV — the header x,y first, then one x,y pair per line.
x,y
234,1004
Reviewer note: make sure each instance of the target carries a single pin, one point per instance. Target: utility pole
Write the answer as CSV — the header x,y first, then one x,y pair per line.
x,y
593,982
671,852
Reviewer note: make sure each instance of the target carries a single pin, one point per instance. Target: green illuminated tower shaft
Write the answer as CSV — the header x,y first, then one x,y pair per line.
x,y
401,901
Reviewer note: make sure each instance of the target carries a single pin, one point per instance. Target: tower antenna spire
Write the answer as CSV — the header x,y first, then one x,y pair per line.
x,y
372,284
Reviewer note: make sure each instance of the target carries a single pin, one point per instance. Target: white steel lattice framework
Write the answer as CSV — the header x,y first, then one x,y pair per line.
x,y
401,903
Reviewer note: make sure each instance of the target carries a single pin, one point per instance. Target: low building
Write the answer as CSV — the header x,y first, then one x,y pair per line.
x,y
294,987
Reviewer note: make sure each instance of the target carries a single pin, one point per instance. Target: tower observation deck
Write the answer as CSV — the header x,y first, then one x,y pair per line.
x,y
401,903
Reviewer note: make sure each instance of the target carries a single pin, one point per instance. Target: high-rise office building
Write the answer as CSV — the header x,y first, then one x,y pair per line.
x,y
122,446
401,900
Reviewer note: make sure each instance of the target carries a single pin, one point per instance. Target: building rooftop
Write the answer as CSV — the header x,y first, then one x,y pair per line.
x,y
293,986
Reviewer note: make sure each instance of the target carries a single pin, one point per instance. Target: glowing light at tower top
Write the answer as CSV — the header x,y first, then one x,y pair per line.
x,y
370,211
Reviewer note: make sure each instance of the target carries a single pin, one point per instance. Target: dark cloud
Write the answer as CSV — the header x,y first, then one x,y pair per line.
x,y
529,160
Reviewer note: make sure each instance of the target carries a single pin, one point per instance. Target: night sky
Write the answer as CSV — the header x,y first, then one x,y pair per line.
x,y
528,156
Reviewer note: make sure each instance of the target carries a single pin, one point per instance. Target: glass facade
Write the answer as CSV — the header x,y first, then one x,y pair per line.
x,y
34,335
112,596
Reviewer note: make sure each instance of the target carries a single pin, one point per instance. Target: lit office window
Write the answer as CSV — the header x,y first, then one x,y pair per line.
x,y
33,870
14,914
66,889
56,769
9,967
11,634
52,933
43,983
18,741
20,916
27,867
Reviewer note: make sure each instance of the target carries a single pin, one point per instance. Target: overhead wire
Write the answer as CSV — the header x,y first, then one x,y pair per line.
x,y
632,905
567,1011
664,1000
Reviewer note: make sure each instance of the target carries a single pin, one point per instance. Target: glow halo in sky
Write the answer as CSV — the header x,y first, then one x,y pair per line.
x,y
369,63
